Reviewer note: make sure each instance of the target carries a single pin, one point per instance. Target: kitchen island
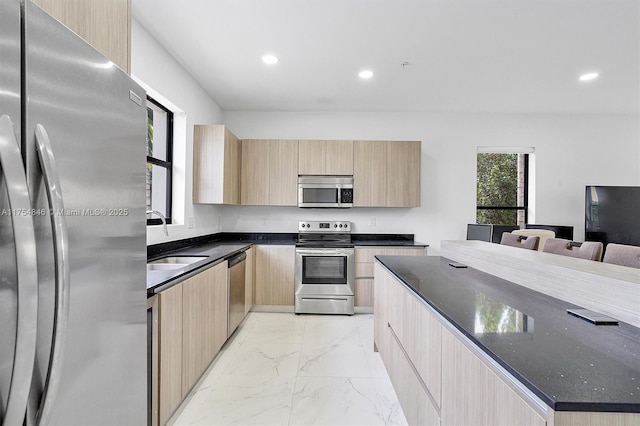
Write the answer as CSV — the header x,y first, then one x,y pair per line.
x,y
466,347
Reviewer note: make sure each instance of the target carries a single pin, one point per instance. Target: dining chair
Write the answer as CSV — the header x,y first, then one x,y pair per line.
x,y
544,235
621,254
590,250
522,241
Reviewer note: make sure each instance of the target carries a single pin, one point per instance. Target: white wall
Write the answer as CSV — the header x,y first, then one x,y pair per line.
x,y
168,82
571,151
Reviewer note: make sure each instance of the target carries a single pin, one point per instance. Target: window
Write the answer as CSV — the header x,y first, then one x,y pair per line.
x,y
502,188
159,160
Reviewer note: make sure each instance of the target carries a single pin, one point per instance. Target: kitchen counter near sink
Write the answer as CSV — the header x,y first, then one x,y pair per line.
x,y
213,254
220,246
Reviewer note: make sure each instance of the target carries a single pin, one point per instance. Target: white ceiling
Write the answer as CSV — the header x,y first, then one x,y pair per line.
x,y
463,55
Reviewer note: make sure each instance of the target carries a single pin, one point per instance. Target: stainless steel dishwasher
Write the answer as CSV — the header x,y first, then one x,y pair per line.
x,y
235,283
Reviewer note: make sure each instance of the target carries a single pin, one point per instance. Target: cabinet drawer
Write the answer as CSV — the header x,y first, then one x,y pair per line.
x,y
364,292
364,270
416,404
368,254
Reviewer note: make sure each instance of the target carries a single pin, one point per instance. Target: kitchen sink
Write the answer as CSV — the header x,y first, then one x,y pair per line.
x,y
173,262
181,260
165,266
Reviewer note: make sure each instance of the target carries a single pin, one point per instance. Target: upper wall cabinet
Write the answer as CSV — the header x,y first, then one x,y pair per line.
x,y
325,157
403,174
104,24
269,172
369,173
216,165
386,173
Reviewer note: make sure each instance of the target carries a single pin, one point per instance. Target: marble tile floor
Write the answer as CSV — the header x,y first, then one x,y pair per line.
x,y
286,369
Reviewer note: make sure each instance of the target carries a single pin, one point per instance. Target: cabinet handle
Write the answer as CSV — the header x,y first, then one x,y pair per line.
x,y
62,272
27,274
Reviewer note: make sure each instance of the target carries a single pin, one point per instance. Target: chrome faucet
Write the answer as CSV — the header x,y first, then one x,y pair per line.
x,y
163,219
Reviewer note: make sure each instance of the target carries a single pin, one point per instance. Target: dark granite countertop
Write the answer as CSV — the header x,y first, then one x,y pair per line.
x,y
385,240
570,364
218,247
213,254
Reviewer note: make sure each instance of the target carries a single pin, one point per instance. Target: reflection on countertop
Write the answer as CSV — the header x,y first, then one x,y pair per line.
x,y
571,364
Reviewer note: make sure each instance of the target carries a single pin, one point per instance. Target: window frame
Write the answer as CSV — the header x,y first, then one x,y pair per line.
x,y
168,164
524,207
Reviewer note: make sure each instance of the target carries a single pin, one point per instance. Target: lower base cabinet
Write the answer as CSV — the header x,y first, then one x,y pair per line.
x,y
437,378
204,322
364,259
414,399
192,322
474,395
274,270
169,351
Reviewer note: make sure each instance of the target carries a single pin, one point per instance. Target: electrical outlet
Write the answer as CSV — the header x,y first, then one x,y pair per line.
x,y
372,222
191,223
264,221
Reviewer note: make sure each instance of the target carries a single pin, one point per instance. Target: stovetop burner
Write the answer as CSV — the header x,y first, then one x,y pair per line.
x,y
316,234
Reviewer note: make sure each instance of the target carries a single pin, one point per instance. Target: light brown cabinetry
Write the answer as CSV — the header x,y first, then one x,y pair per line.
x,y
216,165
386,173
369,173
283,173
332,157
403,174
427,362
192,327
364,260
274,271
170,351
269,172
474,394
409,341
104,24
204,322
249,277
254,172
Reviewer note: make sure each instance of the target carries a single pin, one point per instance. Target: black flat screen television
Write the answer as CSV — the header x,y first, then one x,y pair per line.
x,y
612,214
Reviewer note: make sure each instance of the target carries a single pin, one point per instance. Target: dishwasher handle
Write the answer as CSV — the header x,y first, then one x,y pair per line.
x,y
233,261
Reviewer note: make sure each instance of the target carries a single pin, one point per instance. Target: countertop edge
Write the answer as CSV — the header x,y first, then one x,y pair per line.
x,y
194,269
559,406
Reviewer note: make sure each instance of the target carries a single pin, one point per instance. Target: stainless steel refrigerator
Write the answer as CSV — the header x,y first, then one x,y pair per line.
x,y
72,229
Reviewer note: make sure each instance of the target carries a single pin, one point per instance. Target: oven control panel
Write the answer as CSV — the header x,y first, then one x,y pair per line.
x,y
343,227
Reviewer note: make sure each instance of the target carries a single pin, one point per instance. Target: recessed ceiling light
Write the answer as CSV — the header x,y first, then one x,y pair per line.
x,y
364,74
270,59
588,76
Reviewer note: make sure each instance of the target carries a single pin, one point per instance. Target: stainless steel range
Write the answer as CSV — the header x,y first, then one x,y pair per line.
x,y
324,276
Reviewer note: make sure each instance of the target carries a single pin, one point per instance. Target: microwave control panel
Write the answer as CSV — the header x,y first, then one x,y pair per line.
x,y
346,195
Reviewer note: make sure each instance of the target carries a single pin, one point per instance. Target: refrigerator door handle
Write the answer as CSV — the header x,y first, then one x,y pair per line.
x,y
27,273
62,272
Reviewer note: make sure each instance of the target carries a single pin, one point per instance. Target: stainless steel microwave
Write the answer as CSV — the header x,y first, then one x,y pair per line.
x,y
325,191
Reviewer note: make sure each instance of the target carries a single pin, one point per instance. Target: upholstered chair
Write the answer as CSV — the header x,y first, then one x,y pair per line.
x,y
522,241
590,250
620,254
544,235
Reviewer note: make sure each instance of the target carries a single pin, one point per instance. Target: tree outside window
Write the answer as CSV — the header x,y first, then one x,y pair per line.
x,y
502,188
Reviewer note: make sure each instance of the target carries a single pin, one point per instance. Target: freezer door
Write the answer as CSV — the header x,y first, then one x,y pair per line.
x,y
93,117
10,139
10,106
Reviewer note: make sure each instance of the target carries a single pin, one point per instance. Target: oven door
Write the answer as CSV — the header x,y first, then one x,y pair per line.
x,y
324,271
